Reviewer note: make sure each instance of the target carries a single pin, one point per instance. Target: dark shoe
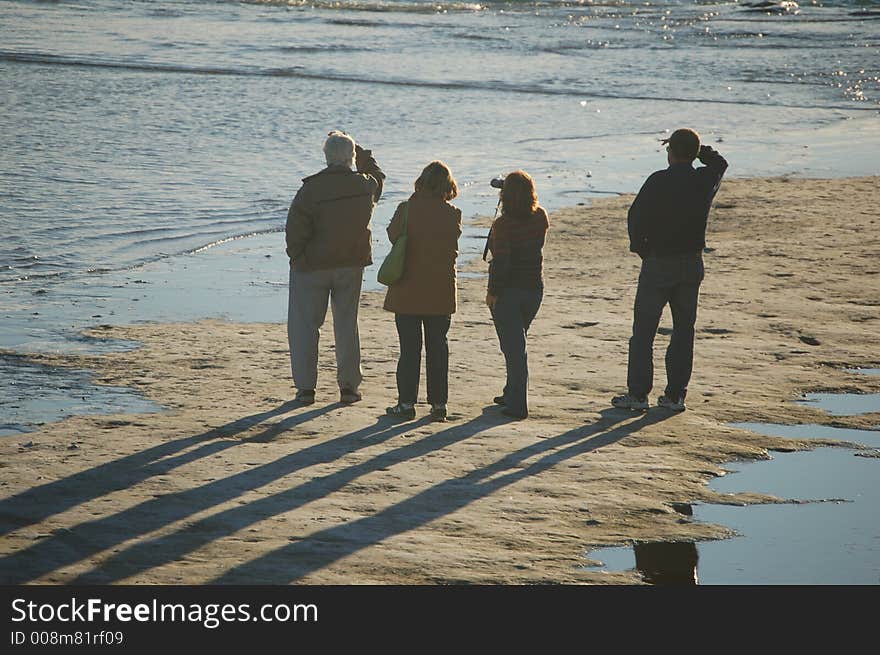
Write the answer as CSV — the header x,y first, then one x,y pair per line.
x,y
305,396
438,412
499,400
517,417
675,404
401,411
349,396
627,401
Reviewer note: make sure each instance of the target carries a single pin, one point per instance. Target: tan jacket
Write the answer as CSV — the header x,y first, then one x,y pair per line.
x,y
428,285
328,224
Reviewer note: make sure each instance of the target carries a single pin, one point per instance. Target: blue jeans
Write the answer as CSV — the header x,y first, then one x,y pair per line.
x,y
513,313
673,280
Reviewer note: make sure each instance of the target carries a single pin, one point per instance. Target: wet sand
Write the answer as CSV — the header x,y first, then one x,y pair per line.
x,y
236,484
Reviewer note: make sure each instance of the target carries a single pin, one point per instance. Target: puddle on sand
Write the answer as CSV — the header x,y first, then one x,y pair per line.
x,y
846,404
843,404
870,438
864,371
33,392
832,542
835,541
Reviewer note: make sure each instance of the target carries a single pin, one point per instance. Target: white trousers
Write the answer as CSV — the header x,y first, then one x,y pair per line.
x,y
310,292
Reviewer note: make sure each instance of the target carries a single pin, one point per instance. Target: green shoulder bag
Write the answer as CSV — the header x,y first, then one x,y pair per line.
x,y
392,268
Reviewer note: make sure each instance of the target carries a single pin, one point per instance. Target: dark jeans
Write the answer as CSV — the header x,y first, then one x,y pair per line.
x,y
409,330
675,280
513,313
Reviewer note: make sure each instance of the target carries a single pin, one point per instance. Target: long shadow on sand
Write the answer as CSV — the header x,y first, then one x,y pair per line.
x,y
441,499
296,560
86,539
38,503
149,554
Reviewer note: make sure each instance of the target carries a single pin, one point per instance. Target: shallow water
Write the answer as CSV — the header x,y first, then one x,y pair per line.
x,y
55,393
864,371
835,539
832,542
818,543
869,438
843,404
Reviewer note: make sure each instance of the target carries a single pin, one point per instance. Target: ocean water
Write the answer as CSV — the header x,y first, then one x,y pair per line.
x,y
150,149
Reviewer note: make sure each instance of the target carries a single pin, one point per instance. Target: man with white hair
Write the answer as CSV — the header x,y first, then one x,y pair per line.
x,y
329,244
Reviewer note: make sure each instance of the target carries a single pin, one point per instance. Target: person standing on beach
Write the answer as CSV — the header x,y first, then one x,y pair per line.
x,y
424,298
328,242
667,229
516,282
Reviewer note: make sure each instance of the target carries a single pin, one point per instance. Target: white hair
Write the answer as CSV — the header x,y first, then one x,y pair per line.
x,y
339,149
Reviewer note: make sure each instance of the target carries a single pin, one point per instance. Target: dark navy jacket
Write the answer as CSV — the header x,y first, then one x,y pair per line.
x,y
668,216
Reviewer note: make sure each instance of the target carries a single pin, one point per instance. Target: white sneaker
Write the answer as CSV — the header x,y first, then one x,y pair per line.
x,y
676,405
626,401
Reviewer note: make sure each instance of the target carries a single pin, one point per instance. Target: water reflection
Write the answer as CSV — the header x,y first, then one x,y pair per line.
x,y
667,562
832,538
659,562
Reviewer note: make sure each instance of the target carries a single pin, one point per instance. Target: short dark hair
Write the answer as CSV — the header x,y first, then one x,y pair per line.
x,y
684,144
436,179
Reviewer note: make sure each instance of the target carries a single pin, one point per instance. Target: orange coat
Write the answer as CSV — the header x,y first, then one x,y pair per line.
x,y
428,284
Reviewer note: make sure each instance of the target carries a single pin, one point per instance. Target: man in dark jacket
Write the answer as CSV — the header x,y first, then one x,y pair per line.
x,y
329,244
667,228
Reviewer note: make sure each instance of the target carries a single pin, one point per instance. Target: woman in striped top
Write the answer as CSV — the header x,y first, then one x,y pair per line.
x,y
516,282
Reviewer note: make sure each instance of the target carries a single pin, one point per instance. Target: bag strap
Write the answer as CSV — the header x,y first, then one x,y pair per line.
x,y
489,236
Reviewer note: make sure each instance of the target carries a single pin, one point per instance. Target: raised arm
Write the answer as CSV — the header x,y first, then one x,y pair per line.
x,y
366,164
714,167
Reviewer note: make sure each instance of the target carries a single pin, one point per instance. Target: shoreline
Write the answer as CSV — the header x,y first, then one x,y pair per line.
x,y
231,484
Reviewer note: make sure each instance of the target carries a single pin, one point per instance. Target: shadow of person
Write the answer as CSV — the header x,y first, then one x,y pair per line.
x,y
38,503
149,554
296,560
68,546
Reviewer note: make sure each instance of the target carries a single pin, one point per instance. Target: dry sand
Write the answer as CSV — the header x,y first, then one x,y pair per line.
x,y
236,484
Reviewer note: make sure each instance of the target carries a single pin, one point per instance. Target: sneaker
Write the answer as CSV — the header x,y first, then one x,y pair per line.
x,y
517,417
403,411
305,396
438,412
627,401
499,400
349,396
675,404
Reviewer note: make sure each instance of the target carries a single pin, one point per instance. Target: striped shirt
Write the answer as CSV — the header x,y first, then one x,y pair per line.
x,y
516,244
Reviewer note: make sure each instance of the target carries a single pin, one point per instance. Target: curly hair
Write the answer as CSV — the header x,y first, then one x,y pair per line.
x,y
518,195
436,179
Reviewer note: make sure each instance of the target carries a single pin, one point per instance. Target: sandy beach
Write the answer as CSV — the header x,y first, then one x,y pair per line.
x,y
235,483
